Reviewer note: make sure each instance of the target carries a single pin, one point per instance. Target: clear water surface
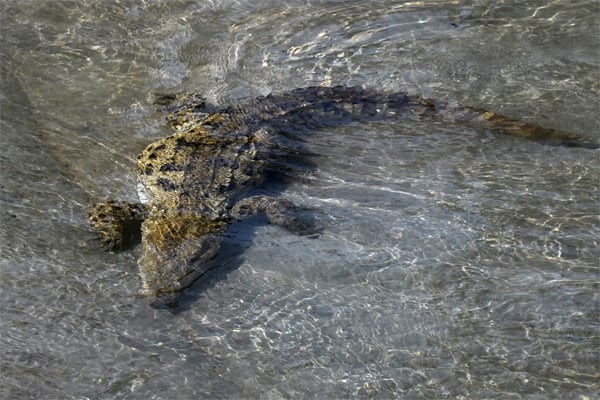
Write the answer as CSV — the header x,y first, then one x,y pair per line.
x,y
453,264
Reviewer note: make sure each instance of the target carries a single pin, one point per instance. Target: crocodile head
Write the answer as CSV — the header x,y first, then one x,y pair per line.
x,y
177,250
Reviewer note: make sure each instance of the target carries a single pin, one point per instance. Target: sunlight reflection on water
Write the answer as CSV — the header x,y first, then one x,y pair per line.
x,y
453,264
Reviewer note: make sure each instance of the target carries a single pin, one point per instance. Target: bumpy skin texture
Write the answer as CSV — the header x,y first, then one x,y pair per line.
x,y
197,179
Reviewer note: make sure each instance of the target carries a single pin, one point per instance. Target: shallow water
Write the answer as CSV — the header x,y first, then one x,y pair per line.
x,y
453,263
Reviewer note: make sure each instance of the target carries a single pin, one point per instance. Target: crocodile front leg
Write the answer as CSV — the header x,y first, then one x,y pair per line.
x,y
279,212
117,222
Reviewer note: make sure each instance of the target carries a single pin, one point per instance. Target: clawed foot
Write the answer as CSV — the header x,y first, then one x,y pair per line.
x,y
117,222
279,212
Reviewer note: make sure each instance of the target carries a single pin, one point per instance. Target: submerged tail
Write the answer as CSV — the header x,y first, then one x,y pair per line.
x,y
477,117
314,105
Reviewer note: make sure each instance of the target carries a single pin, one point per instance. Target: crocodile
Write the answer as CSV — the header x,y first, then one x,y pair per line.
x,y
195,182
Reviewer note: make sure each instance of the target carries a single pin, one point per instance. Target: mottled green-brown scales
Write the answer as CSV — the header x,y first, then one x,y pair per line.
x,y
195,181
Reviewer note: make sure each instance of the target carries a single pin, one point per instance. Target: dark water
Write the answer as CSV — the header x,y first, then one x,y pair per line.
x,y
453,264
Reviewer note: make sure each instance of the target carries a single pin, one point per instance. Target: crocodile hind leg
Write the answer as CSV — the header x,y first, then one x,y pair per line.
x,y
117,222
279,212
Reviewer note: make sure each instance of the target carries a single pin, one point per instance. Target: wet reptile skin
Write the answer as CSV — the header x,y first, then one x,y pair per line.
x,y
197,179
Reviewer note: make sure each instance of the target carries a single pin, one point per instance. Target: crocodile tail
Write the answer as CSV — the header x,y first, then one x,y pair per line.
x,y
480,118
341,102
317,106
